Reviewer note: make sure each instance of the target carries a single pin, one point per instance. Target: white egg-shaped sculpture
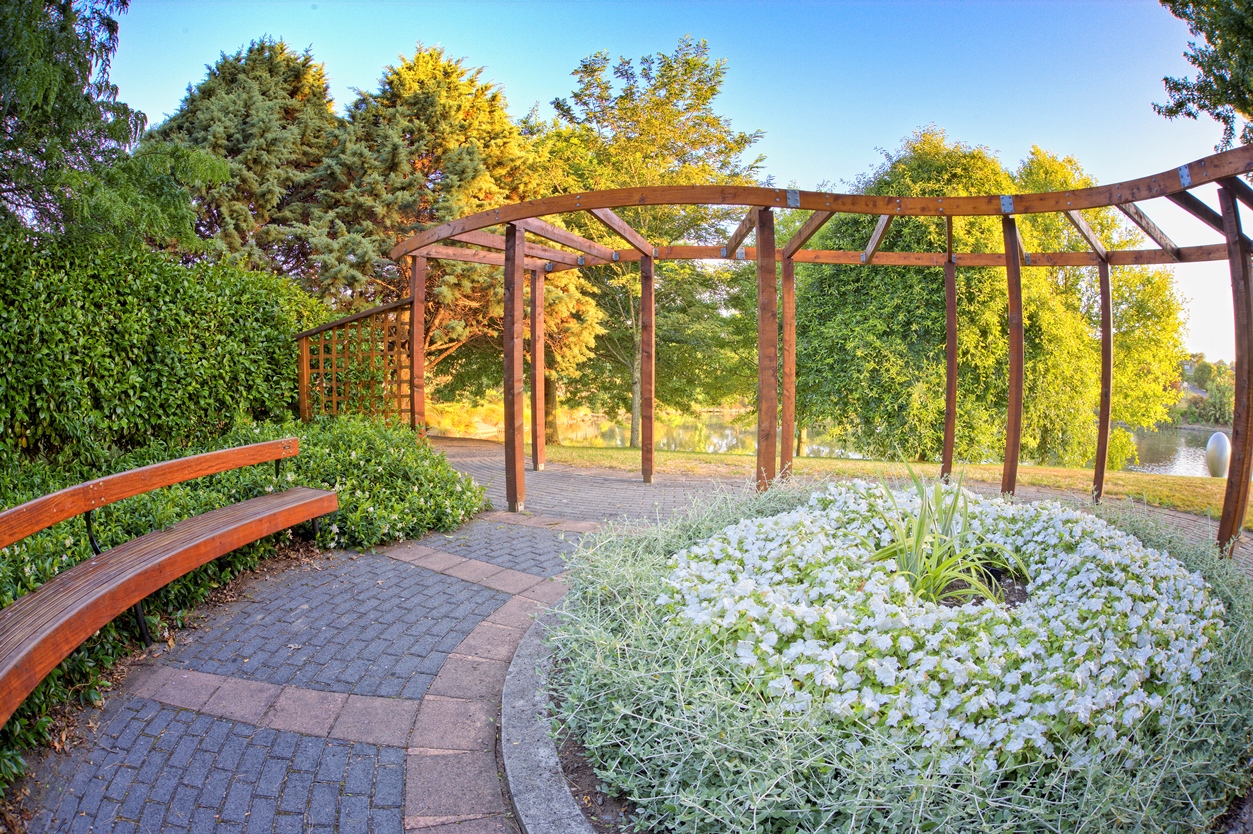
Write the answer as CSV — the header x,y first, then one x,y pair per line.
x,y
1218,454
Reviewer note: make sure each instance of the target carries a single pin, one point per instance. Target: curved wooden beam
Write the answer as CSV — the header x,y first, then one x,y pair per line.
x,y
1117,257
1208,169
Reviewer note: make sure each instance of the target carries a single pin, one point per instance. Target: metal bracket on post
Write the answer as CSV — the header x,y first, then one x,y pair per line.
x,y
793,198
1185,176
1007,204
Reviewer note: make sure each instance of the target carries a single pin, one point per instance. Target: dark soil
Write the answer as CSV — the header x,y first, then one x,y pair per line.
x,y
607,814
1011,589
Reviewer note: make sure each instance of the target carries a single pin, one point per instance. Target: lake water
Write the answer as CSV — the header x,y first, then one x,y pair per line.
x,y
1173,451
711,432
1167,451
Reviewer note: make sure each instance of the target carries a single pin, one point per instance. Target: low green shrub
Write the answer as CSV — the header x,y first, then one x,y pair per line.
x,y
109,350
391,486
669,721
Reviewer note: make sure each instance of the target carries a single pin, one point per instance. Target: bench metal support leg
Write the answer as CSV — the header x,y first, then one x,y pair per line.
x,y
143,623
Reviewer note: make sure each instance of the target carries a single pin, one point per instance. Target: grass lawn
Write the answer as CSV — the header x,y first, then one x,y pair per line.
x,y
1202,496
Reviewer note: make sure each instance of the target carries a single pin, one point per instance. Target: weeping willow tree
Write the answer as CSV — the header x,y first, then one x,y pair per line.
x,y
871,339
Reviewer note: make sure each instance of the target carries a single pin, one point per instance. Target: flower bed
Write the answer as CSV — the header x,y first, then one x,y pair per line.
x,y
1112,634
759,666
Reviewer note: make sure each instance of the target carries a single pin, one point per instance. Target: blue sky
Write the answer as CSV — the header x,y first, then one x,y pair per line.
x,y
831,84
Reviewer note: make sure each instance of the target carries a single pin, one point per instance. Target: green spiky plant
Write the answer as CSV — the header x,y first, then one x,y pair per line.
x,y
937,551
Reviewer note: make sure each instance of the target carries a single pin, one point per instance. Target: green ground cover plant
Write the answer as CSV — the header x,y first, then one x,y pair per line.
x,y
391,486
697,727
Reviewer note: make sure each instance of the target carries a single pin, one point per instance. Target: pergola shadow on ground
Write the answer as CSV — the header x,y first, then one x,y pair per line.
x,y
374,361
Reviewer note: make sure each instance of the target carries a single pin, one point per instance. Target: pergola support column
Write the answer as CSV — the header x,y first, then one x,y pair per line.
x,y
648,343
1107,382
950,355
537,370
417,341
515,476
787,423
1236,498
1013,416
767,350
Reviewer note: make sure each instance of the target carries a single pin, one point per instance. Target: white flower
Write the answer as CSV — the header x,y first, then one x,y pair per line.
x,y
1106,621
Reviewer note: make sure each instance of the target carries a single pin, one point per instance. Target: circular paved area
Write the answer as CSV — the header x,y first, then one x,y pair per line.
x,y
359,693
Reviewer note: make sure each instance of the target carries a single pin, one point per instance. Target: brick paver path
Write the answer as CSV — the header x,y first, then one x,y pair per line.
x,y
359,693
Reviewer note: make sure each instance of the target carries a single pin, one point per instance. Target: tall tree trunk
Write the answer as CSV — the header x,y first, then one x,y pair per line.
x,y
551,435
802,438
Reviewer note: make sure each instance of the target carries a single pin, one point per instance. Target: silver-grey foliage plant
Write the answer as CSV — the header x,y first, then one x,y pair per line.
x,y
668,721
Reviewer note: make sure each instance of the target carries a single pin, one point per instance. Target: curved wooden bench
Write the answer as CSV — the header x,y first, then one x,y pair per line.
x,y
40,629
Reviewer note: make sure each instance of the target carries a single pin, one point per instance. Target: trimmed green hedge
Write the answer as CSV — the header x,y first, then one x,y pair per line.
x,y
391,485
111,350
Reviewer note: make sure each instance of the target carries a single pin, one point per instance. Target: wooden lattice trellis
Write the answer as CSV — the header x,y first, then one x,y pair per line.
x,y
361,364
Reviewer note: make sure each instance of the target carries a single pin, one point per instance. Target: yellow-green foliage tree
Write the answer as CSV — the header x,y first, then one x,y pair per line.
x,y
871,339
638,124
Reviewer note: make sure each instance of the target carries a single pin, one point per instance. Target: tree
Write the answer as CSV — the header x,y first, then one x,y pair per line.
x,y
1202,374
871,339
1223,87
65,162
267,114
433,143
635,125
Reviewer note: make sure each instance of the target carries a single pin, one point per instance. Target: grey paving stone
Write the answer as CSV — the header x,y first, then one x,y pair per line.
x,y
275,781
535,551
579,494
345,628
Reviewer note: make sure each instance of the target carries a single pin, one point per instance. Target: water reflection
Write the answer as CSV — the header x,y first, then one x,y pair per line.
x,y
1173,451
1168,451
714,432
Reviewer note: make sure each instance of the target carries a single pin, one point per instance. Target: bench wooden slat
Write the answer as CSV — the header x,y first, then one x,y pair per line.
x,y
29,518
42,628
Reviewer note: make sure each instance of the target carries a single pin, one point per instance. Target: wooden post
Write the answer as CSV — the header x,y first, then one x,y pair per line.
x,y
1107,381
787,423
417,341
648,344
950,356
767,350
1013,416
1236,499
302,379
515,476
537,370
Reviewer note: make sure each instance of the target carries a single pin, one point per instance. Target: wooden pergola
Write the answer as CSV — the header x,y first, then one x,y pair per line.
x,y
467,240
